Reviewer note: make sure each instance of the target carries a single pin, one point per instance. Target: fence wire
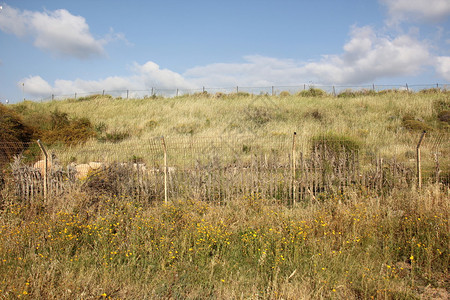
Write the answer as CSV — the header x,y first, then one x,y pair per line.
x,y
221,167
267,90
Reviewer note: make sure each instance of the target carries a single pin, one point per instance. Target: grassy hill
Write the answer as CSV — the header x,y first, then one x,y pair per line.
x,y
349,244
386,124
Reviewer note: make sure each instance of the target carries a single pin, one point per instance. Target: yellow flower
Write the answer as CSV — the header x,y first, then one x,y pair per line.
x,y
411,257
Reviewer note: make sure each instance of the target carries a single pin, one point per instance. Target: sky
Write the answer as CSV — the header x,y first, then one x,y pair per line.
x,y
64,47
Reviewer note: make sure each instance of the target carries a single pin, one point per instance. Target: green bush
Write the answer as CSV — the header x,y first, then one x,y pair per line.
x,y
335,143
312,92
114,137
410,123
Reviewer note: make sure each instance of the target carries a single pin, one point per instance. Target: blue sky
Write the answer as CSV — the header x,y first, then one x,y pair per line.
x,y
65,47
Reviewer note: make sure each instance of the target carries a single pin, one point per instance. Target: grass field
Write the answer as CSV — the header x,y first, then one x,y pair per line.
x,y
347,245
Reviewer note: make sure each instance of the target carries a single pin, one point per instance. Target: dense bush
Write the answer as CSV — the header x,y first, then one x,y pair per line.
x,y
312,92
14,134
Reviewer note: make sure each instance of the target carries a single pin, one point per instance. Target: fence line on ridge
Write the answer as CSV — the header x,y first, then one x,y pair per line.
x,y
269,90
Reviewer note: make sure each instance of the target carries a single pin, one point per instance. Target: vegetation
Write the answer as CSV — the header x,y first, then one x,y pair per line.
x,y
351,246
347,244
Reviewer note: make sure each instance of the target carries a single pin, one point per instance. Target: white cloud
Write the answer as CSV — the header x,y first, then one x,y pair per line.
x,y
36,86
144,77
443,67
367,57
58,32
416,10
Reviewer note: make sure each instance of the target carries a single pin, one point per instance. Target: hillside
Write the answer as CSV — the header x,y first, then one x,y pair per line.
x,y
242,221
386,123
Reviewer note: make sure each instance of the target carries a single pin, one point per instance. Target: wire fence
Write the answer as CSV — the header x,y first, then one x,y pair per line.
x,y
268,90
220,168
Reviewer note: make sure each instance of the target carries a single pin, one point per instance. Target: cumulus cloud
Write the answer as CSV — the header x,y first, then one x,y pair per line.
x,y
443,67
143,77
58,32
36,86
414,10
366,57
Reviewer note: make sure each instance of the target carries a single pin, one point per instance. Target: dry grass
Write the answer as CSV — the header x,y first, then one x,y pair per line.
x,y
350,246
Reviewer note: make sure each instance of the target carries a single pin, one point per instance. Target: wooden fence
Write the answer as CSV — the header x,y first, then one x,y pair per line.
x,y
292,177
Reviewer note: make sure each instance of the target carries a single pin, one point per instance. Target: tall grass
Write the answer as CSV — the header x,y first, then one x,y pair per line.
x,y
351,246
375,119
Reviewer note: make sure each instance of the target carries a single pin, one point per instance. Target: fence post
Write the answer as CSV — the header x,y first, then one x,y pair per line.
x,y
177,92
419,169
373,87
45,169
127,94
407,88
75,96
334,91
152,92
293,169
237,89
272,91
103,93
53,97
165,168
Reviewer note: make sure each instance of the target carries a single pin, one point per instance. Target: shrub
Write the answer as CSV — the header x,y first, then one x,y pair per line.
x,y
14,134
285,94
410,123
73,132
352,94
114,137
444,116
313,92
259,115
335,143
93,97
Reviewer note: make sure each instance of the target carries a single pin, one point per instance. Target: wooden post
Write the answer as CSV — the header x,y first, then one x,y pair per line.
x,y
419,169
407,88
127,94
152,91
177,92
334,91
45,175
75,96
103,93
165,168
293,169
237,89
373,87
272,91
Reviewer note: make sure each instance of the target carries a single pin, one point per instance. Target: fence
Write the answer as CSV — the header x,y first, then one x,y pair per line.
x,y
269,90
217,169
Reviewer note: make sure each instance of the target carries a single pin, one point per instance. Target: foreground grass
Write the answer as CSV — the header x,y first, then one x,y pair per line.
x,y
349,246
